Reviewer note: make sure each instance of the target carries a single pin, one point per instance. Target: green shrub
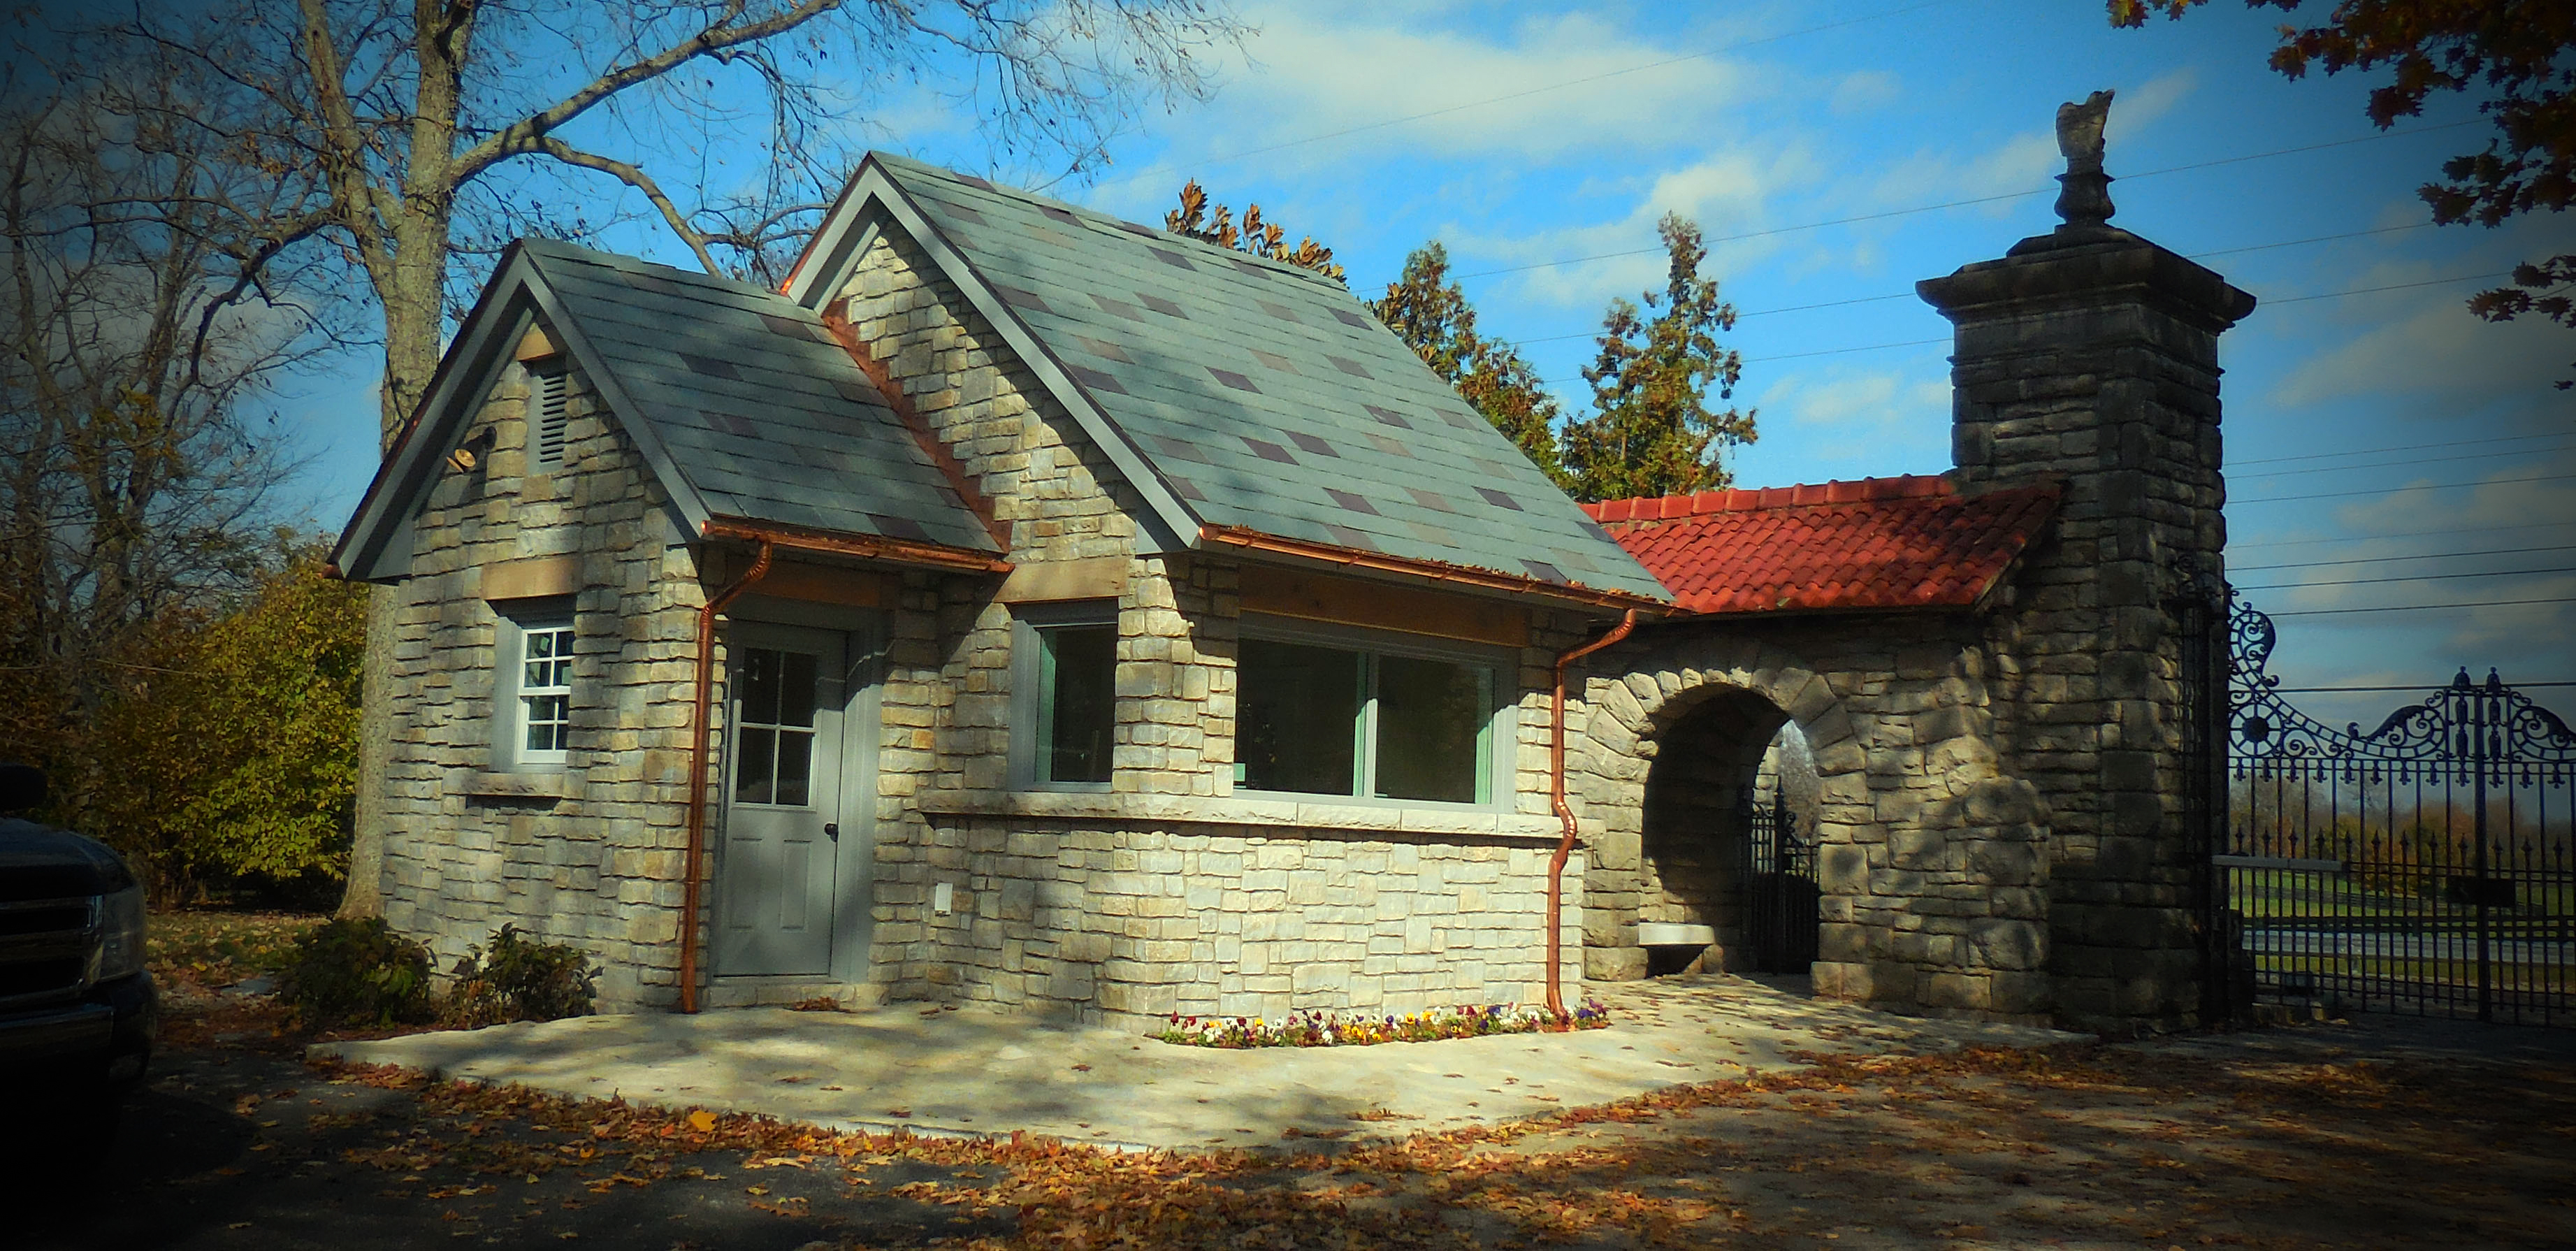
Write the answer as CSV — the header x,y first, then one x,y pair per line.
x,y
519,979
351,972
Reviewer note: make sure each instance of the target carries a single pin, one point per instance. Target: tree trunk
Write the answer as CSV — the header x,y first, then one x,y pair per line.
x,y
412,313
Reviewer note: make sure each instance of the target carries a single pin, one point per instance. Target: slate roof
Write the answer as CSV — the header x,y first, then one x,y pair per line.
x,y
1878,543
1264,396
748,400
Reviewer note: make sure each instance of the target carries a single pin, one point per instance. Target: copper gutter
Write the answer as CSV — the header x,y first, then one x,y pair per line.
x,y
695,858
1565,812
859,546
1254,540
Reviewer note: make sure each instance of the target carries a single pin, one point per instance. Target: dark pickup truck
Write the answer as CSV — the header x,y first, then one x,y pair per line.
x,y
77,1010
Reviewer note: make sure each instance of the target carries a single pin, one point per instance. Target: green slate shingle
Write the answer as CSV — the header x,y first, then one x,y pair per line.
x,y
756,409
1266,396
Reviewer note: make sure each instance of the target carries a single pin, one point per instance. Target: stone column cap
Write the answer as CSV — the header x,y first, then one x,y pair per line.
x,y
2075,267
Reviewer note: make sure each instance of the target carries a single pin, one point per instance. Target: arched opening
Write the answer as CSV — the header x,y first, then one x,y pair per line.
x,y
1728,863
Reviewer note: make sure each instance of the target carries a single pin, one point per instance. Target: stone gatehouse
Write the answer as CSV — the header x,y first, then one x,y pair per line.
x,y
1029,607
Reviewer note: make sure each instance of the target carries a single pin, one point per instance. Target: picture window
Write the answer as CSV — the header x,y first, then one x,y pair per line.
x,y
1066,681
1323,717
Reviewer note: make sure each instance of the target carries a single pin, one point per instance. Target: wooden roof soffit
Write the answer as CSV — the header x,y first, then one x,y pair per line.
x,y
836,319
1452,575
855,546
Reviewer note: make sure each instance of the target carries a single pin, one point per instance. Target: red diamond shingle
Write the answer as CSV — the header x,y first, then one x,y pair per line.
x,y
1911,542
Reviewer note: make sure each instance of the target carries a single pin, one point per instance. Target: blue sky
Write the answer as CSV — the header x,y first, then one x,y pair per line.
x,y
1522,135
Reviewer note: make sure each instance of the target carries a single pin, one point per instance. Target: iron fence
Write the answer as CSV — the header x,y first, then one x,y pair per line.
x,y
2421,867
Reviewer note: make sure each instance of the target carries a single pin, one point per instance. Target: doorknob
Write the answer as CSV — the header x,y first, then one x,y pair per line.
x,y
832,830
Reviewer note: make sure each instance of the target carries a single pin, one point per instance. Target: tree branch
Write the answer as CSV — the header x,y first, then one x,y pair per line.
x,y
633,176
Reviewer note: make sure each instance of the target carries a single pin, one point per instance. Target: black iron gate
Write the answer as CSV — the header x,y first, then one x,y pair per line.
x,y
2421,867
1777,874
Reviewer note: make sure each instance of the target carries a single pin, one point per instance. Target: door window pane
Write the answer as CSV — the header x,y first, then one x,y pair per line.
x,y
753,773
773,719
1078,702
1299,717
1431,718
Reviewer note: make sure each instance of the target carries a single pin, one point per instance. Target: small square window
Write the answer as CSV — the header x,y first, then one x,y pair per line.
x,y
1065,704
533,702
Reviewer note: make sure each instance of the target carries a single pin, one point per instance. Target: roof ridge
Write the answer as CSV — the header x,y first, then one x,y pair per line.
x,y
1800,495
542,247
981,183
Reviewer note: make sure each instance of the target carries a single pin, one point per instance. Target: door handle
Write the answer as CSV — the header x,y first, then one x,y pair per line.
x,y
832,830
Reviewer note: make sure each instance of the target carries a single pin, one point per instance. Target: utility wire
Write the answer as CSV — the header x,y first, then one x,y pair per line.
x,y
2410,462
2412,486
1973,200
1908,295
2394,286
2431,689
2490,603
2382,560
2405,447
2421,577
2409,534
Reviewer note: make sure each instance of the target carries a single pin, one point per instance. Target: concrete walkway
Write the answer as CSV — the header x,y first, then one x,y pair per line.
x,y
972,1072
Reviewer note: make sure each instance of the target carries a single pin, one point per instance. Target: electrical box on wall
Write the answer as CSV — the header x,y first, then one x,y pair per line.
x,y
943,899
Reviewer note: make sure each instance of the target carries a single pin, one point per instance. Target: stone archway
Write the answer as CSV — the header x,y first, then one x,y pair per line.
x,y
1674,746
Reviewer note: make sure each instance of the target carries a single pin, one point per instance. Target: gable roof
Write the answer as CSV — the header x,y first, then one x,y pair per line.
x,y
738,399
1878,543
1248,401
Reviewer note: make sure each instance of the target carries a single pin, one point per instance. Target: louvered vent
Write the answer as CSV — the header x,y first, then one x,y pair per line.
x,y
553,389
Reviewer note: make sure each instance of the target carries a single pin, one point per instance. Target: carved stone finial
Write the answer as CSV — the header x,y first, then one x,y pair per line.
x,y
2086,200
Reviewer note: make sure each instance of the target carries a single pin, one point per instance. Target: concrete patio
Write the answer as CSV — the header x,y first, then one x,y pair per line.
x,y
938,1071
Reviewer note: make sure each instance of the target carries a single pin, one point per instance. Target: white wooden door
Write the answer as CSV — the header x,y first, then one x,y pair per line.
x,y
783,786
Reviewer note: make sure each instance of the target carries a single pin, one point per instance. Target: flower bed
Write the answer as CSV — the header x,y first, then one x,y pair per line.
x,y
1350,1029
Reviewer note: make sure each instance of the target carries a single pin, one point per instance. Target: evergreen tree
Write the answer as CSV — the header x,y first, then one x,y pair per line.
x,y
1431,314
1652,431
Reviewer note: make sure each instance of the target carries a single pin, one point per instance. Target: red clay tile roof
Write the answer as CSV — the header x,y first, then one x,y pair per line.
x,y
1911,542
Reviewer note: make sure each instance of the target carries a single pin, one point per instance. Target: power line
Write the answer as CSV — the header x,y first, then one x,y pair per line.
x,y
2490,603
1908,295
2412,486
2405,447
2421,577
1875,347
2403,464
2382,560
1971,201
2408,534
2394,286
1507,97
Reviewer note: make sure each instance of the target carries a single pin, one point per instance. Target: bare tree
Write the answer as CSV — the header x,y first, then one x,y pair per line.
x,y
136,492
438,123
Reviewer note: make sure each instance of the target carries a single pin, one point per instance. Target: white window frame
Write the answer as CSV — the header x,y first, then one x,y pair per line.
x,y
510,690
1496,773
1032,695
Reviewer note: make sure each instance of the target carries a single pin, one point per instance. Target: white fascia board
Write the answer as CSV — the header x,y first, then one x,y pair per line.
x,y
874,199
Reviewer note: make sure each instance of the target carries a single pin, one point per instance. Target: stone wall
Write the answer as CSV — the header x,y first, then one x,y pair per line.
x,y
2090,357
590,854
1250,905
1930,858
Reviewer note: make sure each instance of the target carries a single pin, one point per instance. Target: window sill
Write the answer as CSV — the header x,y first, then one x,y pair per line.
x,y
533,784
1284,814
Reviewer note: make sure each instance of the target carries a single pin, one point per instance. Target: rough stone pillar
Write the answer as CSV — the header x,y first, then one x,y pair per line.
x,y
2089,356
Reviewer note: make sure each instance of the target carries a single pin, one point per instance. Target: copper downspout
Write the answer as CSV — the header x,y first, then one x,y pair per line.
x,y
1565,813
695,861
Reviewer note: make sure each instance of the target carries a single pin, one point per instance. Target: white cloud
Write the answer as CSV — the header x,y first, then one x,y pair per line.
x,y
2432,343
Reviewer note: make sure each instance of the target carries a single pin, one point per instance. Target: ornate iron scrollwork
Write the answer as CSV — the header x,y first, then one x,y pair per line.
x,y
2464,725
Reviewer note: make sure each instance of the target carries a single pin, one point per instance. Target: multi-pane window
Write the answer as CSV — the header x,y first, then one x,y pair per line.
x,y
774,727
544,695
1331,718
